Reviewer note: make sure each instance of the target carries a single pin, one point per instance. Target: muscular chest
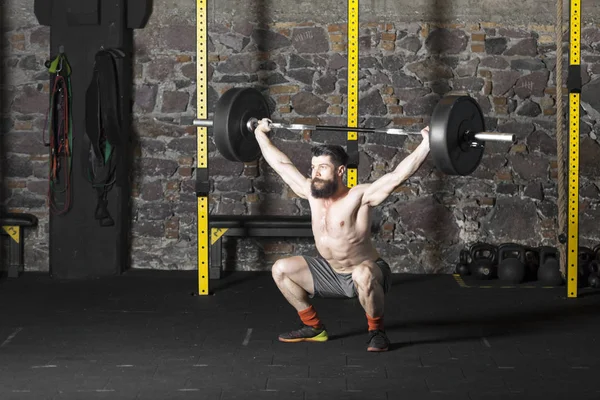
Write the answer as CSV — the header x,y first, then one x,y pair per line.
x,y
335,219
329,221
332,219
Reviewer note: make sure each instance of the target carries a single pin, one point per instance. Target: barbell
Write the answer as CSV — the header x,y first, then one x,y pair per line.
x,y
457,133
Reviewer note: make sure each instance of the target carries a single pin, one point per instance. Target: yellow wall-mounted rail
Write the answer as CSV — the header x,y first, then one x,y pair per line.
x,y
352,82
574,86
202,146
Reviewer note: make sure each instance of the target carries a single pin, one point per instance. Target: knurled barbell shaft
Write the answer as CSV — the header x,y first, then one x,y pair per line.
x,y
251,124
490,136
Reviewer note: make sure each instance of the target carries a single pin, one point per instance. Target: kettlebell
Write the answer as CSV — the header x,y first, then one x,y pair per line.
x,y
511,263
594,278
585,256
597,252
483,260
532,263
462,268
549,270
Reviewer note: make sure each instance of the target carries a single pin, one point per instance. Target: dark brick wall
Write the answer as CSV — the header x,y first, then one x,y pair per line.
x,y
302,69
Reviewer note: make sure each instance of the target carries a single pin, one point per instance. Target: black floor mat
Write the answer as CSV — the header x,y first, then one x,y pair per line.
x,y
146,335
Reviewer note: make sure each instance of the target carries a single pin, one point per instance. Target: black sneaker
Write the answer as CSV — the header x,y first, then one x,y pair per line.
x,y
305,334
378,341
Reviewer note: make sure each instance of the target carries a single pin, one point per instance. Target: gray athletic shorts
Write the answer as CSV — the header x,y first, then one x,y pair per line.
x,y
329,283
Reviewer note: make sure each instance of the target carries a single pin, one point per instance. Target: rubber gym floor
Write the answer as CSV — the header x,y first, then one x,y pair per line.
x,y
145,335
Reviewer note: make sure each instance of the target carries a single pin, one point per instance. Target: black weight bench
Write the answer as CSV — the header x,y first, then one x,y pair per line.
x,y
12,225
252,225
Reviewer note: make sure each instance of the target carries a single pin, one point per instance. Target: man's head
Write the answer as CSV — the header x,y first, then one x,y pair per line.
x,y
327,169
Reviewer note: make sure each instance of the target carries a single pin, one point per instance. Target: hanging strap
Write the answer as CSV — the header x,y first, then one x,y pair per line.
x,y
60,136
103,128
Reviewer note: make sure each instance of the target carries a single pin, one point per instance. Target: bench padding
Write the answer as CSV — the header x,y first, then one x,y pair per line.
x,y
10,219
254,226
260,221
16,248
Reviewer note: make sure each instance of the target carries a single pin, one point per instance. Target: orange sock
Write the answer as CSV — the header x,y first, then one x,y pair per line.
x,y
375,323
309,317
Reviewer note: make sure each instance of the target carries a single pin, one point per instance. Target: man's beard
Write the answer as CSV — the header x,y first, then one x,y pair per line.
x,y
327,190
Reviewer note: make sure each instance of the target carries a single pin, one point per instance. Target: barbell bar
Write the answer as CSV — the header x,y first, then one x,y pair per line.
x,y
456,129
253,123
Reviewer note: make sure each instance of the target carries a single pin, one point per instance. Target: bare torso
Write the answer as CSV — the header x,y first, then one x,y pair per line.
x,y
342,230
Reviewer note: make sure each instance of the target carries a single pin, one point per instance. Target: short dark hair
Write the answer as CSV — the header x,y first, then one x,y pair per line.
x,y
336,152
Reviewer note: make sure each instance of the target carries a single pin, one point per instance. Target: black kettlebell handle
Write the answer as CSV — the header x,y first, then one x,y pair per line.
x,y
464,257
594,267
484,251
548,252
510,250
585,255
532,254
597,252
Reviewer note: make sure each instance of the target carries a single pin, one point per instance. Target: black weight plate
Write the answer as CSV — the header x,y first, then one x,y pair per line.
x,y
232,111
221,123
452,117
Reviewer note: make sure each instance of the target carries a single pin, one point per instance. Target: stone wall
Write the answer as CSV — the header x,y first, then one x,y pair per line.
x,y
301,67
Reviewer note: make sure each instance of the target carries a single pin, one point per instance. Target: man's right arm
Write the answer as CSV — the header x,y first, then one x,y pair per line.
x,y
280,162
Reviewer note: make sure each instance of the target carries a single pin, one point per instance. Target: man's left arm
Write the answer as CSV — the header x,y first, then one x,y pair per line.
x,y
379,190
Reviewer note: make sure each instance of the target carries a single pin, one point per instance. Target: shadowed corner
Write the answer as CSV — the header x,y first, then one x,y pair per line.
x,y
133,164
439,13
263,39
3,121
260,35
